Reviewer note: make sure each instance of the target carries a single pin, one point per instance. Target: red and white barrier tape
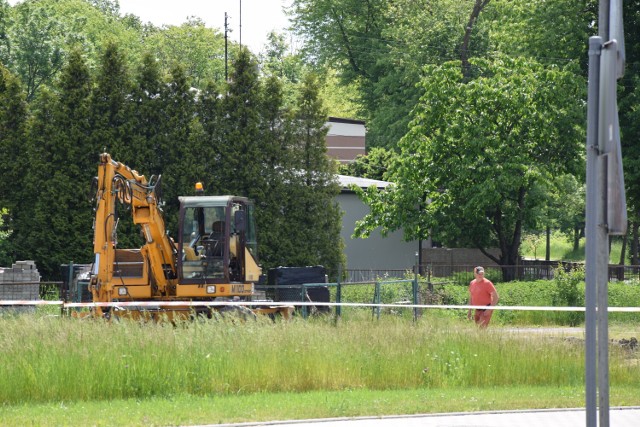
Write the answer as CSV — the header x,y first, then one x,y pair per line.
x,y
29,302
167,304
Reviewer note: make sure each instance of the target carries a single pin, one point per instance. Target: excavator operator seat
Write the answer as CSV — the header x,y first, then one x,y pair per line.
x,y
216,239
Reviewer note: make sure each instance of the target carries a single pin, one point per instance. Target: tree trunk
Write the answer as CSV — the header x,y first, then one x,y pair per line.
x,y
634,243
464,48
547,255
510,266
576,238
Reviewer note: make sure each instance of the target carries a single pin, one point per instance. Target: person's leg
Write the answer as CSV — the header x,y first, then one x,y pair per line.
x,y
477,316
485,318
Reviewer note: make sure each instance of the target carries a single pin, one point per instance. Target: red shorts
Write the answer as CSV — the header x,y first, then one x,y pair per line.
x,y
483,317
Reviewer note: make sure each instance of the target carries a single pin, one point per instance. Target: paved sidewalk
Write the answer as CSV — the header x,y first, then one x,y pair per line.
x,y
618,417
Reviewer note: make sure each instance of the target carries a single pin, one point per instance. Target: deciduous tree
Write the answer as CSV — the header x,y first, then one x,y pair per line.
x,y
373,165
476,152
198,49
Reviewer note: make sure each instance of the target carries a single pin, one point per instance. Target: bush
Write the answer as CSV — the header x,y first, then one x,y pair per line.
x,y
569,292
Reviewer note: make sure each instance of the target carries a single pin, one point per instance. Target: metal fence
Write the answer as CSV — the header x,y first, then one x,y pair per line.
x,y
370,276
74,290
526,271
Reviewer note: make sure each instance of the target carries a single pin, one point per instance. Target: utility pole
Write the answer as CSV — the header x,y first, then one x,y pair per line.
x,y
240,24
226,30
606,210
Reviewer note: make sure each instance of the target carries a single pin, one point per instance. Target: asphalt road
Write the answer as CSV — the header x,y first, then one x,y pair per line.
x,y
618,417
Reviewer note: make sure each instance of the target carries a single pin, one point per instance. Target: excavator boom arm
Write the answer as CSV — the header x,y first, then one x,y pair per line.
x,y
119,183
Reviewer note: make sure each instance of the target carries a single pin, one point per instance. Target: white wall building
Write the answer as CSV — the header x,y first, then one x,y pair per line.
x,y
375,252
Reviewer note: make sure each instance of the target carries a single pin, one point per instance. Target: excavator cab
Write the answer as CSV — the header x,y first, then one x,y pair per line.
x,y
217,246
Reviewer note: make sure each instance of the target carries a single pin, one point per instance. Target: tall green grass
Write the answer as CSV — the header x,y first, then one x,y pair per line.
x,y
537,293
561,248
46,359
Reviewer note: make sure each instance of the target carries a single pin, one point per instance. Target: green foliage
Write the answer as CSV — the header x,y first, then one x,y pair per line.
x,y
109,109
373,165
36,39
5,46
54,226
180,168
198,49
378,47
241,127
147,115
533,27
566,289
110,120
624,294
341,100
568,293
381,46
629,104
13,118
311,205
533,243
40,33
5,232
481,142
246,142
567,206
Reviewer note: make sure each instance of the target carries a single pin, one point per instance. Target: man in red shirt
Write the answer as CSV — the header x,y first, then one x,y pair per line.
x,y
482,292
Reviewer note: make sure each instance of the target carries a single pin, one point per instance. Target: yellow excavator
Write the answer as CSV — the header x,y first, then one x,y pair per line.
x,y
214,258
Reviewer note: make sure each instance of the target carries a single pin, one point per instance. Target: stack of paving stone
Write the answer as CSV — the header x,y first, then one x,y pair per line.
x,y
20,282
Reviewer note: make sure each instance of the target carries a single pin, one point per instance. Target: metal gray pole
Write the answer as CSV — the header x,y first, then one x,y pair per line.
x,y
602,276
603,20
604,217
591,230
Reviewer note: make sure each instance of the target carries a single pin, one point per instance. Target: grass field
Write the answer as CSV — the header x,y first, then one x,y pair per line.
x,y
65,371
62,371
561,248
197,410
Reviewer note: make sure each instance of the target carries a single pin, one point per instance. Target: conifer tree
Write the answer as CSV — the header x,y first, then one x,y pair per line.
x,y
312,211
211,114
272,225
242,154
13,117
110,112
58,227
148,119
180,167
111,124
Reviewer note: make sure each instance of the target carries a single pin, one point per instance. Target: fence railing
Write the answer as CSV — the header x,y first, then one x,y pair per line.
x,y
310,293
528,270
370,276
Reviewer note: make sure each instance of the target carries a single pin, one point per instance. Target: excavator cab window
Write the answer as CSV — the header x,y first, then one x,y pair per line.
x,y
204,242
251,239
217,242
